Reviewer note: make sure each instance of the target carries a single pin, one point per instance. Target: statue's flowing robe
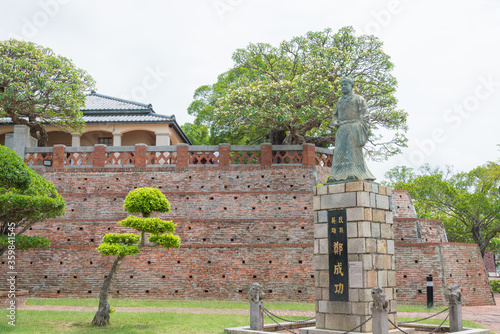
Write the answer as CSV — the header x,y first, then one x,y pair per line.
x,y
351,113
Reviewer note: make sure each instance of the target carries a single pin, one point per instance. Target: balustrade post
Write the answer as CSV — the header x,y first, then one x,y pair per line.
x,y
266,155
58,156
224,155
308,154
380,320
256,295
455,304
99,155
182,155
140,155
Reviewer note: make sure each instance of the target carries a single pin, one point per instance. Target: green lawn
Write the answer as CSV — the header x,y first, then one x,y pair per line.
x,y
52,322
124,302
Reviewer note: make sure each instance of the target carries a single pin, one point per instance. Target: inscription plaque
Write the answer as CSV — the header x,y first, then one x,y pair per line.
x,y
355,274
337,255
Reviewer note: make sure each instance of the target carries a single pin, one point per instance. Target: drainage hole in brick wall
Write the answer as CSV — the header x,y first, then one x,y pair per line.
x,y
312,276
416,261
270,291
247,227
190,276
90,262
114,199
117,291
189,177
235,197
267,197
107,187
149,262
79,187
209,262
248,186
305,208
268,186
287,239
91,240
84,199
75,276
109,228
404,276
58,291
178,261
294,197
479,274
81,228
232,240
176,291
402,238
279,207
199,208
258,239
160,187
237,176
451,275
243,261
187,197
206,291
286,276
152,178
303,228
117,179
218,227
262,176
69,239
90,291
58,228
240,291
202,187
147,291
274,227
225,208
31,228
253,207
299,291
223,276
270,261
457,261
163,276
300,261
291,186
473,289
469,260
131,276
225,187
31,262
254,276
419,291
45,277
72,210
211,198
60,262
189,227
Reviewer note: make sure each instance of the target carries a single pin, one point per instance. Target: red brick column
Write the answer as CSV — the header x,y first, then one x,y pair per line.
x,y
182,155
58,156
224,155
99,155
309,155
266,155
140,155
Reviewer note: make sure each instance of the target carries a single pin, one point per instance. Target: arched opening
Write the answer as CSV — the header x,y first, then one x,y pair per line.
x,y
139,137
96,137
59,138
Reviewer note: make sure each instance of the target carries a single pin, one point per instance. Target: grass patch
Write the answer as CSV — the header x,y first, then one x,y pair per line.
x,y
52,322
465,323
125,302
419,308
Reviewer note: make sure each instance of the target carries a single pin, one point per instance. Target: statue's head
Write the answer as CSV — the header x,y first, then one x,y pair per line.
x,y
346,85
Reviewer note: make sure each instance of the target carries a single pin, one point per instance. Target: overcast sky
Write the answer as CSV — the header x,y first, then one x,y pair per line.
x,y
446,55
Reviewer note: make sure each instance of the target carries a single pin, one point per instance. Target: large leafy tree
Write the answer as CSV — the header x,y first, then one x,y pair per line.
x,y
467,203
25,199
286,94
38,87
144,201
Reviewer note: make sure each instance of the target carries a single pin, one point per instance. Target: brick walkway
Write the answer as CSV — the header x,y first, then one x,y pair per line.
x,y
487,316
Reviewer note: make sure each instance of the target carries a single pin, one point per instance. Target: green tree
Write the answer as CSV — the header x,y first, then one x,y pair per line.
x,y
287,94
467,203
38,87
25,199
144,201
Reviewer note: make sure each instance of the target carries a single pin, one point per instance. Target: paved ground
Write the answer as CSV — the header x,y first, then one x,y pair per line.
x,y
488,316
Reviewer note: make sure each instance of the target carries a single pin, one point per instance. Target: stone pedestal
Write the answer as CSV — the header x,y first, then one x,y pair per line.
x,y
367,221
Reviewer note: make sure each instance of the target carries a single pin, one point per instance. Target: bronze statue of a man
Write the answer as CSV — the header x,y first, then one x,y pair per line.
x,y
352,118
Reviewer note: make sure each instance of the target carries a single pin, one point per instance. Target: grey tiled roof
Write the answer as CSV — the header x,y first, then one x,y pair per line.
x,y
99,102
138,118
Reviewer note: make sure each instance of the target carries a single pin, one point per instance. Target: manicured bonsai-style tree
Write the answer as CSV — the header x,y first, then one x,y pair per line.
x,y
25,199
143,201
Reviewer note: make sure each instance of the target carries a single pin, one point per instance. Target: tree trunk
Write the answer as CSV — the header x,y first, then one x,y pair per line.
x,y
277,137
478,238
101,317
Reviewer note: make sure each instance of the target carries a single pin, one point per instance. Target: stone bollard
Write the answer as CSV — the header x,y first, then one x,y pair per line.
x,y
455,303
256,307
380,321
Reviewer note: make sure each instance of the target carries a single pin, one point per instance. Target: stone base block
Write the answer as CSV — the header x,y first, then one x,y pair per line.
x,y
314,330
